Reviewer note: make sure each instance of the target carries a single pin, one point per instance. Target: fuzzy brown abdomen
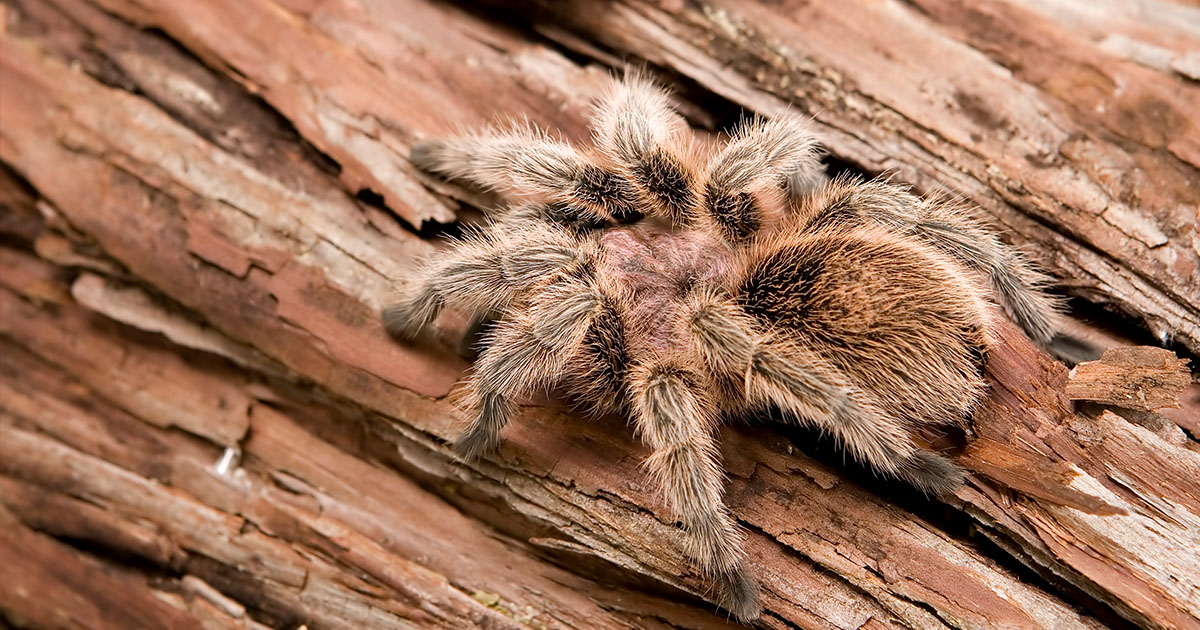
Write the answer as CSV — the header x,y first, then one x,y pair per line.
x,y
898,318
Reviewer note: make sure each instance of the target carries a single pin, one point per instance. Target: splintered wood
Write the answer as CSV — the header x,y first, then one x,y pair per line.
x,y
203,206
1143,378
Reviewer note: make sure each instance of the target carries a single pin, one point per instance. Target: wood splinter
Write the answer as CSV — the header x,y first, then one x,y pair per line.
x,y
1143,378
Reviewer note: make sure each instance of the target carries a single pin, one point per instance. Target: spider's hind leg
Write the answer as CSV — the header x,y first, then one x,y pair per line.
x,y
947,227
1018,286
809,388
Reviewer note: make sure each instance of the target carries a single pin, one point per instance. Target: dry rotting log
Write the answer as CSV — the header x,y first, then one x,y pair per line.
x,y
185,279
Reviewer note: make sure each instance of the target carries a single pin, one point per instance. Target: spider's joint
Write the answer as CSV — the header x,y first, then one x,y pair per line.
x,y
561,320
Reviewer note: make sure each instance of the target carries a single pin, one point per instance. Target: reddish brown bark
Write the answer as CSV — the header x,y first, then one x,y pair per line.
x,y
187,281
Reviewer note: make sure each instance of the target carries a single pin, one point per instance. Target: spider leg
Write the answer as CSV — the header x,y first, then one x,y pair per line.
x,y
946,227
484,272
525,353
572,217
805,385
762,158
602,365
1018,287
676,420
524,161
637,128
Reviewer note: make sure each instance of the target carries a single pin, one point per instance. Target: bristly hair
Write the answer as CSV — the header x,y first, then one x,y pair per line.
x,y
648,280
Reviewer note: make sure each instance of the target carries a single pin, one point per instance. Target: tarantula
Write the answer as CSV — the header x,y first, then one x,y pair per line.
x,y
646,280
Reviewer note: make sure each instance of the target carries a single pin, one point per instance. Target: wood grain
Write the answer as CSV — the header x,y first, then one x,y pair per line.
x,y
191,275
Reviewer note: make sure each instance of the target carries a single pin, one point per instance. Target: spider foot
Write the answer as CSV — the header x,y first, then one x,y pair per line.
x,y
931,473
737,592
428,155
406,319
475,444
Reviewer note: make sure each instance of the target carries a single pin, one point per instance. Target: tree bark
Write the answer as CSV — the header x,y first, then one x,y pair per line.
x,y
205,205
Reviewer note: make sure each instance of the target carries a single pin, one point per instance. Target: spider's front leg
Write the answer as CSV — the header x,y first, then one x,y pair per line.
x,y
803,384
676,420
525,162
762,159
638,130
526,352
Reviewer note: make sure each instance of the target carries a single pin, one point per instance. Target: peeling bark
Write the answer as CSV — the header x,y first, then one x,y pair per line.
x,y
203,424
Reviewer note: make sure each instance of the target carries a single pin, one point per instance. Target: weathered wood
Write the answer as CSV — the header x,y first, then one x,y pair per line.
x,y
1141,378
185,278
277,530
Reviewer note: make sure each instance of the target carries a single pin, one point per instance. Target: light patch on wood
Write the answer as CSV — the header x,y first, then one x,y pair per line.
x,y
1139,377
130,305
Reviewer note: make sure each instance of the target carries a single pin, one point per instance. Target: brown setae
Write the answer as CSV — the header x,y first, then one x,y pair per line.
x,y
644,278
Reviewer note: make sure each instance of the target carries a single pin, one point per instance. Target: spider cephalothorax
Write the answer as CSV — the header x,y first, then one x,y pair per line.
x,y
644,279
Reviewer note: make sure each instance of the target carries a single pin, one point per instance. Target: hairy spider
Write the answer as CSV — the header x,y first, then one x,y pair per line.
x,y
645,279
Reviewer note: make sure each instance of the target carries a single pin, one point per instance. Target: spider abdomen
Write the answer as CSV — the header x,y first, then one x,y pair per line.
x,y
893,315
